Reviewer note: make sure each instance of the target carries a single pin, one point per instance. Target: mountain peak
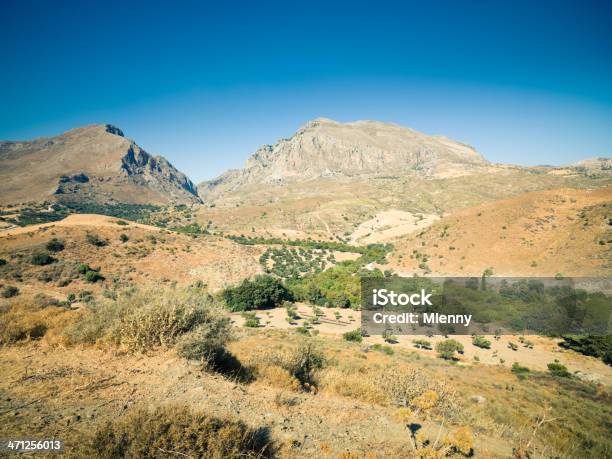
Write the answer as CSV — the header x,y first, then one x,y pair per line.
x,y
90,163
326,148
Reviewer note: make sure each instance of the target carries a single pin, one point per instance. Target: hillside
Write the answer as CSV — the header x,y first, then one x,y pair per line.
x,y
90,164
564,231
326,148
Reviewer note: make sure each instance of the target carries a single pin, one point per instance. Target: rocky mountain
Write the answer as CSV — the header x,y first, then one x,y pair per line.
x,y
325,148
594,165
94,163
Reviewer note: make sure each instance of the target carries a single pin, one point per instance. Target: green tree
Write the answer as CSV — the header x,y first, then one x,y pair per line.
x,y
261,292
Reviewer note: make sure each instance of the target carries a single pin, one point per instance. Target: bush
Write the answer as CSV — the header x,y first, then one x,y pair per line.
x,y
519,370
446,349
250,320
302,363
2,261
407,387
162,319
24,320
10,291
354,335
140,320
124,237
422,344
176,430
55,245
42,258
93,276
481,341
261,292
93,239
558,370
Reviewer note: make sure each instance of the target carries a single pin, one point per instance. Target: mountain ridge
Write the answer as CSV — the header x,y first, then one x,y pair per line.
x,y
323,148
91,163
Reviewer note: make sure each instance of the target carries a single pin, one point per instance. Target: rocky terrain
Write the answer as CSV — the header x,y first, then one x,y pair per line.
x,y
326,148
90,164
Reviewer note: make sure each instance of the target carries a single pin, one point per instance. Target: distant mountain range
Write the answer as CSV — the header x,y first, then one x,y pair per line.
x,y
97,163
93,163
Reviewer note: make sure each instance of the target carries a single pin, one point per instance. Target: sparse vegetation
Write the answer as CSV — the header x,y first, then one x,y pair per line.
x,y
9,291
55,245
446,349
481,341
354,335
175,430
42,259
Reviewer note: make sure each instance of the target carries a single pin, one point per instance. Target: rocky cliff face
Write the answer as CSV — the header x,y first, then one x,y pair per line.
x,y
94,163
325,148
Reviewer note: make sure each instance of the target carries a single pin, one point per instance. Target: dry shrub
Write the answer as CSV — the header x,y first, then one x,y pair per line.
x,y
461,441
176,431
22,319
409,387
279,377
352,385
141,320
302,362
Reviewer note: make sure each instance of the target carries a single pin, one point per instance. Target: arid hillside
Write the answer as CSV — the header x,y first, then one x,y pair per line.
x,y
123,253
564,231
90,164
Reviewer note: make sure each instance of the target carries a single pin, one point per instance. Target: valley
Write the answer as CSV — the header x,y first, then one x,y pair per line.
x,y
126,288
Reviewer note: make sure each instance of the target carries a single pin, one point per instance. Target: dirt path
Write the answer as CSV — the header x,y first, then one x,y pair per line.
x,y
389,225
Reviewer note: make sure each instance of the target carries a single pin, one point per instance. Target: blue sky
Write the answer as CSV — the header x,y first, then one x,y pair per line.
x,y
205,84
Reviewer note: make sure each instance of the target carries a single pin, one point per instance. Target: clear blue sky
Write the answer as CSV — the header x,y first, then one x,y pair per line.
x,y
205,84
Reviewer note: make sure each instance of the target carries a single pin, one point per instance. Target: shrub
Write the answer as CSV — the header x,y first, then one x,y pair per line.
x,y
251,320
162,319
175,431
481,341
124,237
55,245
261,292
405,387
512,346
42,258
519,370
95,240
558,370
2,261
305,361
422,344
82,268
24,320
93,276
446,349
354,335
140,320
389,337
10,291
302,362
385,349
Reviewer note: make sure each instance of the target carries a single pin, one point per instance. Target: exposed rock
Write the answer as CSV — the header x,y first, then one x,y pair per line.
x,y
325,148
